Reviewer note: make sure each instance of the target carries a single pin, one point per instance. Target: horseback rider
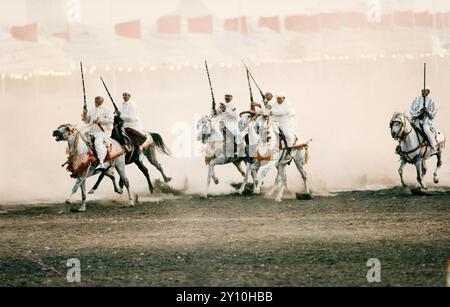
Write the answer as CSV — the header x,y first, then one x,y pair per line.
x,y
228,114
422,112
131,121
282,115
101,120
260,108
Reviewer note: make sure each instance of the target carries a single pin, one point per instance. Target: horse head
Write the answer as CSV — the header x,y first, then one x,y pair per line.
x,y
245,119
397,125
204,128
63,132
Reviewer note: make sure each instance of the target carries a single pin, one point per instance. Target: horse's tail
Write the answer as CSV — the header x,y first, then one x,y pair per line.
x,y
306,155
160,145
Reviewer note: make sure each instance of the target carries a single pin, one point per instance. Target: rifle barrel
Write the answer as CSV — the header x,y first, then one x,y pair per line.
x,y
211,88
109,94
254,81
84,88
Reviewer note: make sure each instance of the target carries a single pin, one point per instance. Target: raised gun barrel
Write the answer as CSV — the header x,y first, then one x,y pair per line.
x,y
212,91
110,97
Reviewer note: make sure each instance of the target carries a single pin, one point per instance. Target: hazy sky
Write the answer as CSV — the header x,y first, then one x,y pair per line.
x,y
103,12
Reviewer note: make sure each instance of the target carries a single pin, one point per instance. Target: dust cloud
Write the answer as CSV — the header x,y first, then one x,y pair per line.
x,y
343,106
343,103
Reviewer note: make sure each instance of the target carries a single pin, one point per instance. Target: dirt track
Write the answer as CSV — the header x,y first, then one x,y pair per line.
x,y
232,241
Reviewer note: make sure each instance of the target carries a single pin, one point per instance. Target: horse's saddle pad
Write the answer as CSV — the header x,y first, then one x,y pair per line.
x,y
114,150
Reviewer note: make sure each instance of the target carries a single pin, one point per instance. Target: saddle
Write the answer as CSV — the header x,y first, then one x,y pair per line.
x,y
438,135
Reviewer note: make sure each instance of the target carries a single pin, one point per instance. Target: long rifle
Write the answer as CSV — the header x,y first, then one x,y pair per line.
x,y
110,97
212,91
251,92
254,81
424,85
85,110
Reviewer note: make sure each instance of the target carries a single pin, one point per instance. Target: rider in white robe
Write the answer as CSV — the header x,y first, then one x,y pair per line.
x,y
228,114
101,120
422,112
282,115
129,113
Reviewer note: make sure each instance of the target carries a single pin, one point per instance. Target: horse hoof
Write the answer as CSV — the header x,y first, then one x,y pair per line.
x,y
436,180
131,204
119,191
79,210
278,199
91,192
167,179
67,201
307,196
204,196
216,181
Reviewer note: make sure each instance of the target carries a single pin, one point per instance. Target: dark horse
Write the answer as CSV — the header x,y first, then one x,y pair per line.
x,y
134,154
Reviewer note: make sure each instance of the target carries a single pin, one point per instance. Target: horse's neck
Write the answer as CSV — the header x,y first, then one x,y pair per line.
x,y
412,139
79,145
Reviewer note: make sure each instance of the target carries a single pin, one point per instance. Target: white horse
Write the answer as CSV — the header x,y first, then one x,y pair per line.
x,y
210,134
81,164
268,154
413,148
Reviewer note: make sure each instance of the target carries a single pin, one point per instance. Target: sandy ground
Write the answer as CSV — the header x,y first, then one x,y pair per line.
x,y
232,240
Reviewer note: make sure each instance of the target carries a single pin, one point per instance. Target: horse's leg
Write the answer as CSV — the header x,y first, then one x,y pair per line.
x,y
400,172
282,183
150,153
299,162
119,164
83,196
254,169
238,165
276,182
438,166
208,180
110,174
74,190
144,170
424,168
263,170
97,183
244,182
418,165
211,174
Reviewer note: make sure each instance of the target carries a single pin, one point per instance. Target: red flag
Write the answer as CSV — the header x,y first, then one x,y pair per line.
x,y
130,29
238,24
231,24
438,21
446,19
169,25
62,35
354,20
404,19
330,20
202,24
27,33
386,23
244,25
423,19
302,23
272,23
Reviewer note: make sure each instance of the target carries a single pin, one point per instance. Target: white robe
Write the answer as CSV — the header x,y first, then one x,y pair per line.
x,y
282,115
129,115
102,137
427,121
230,118
417,106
